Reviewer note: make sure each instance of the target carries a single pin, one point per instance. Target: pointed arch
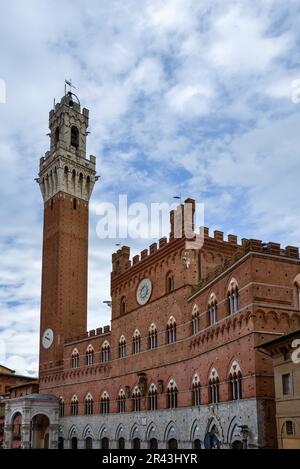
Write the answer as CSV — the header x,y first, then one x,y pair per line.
x,y
195,320
213,384
73,432
233,296
196,390
74,405
122,347
152,336
75,358
152,397
88,432
172,393
105,351
171,431
136,342
89,404
212,309
89,354
104,403
171,330
235,381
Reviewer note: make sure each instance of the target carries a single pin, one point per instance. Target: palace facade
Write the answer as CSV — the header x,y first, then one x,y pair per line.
x,y
179,366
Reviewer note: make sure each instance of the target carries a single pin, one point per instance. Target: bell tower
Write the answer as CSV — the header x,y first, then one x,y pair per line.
x,y
66,180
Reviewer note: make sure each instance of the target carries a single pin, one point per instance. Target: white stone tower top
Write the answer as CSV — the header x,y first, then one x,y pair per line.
x,y
65,167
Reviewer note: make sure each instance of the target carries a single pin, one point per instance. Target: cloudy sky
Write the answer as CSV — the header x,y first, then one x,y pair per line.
x,y
197,97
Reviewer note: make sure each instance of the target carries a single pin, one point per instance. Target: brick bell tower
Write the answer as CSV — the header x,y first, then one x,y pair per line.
x,y
66,180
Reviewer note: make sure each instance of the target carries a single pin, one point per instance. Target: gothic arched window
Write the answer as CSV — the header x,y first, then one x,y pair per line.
x,y
213,386
212,309
75,358
74,406
235,382
105,403
105,351
136,342
297,287
74,137
121,401
172,395
196,320
61,407
152,336
123,305
196,390
89,355
170,282
136,399
171,330
89,404
122,347
152,396
233,297
56,135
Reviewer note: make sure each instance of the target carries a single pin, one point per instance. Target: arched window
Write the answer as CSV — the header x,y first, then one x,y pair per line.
x,y
196,390
121,443
297,287
74,406
74,137
235,382
289,427
61,407
136,399
105,351
56,135
123,305
122,347
121,401
233,297
152,396
89,404
136,443
75,358
172,395
152,336
170,282
196,320
74,442
212,309
172,443
171,330
104,403
89,355
213,387
104,443
88,443
136,342
153,443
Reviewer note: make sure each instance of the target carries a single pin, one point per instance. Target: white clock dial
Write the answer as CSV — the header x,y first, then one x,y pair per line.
x,y
144,291
47,338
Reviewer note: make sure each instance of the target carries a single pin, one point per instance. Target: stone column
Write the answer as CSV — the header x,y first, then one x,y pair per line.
x,y
7,436
53,436
25,436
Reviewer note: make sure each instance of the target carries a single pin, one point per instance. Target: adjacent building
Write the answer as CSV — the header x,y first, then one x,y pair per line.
x,y
285,353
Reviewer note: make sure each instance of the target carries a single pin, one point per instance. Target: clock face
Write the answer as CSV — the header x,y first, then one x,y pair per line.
x,y
144,290
47,338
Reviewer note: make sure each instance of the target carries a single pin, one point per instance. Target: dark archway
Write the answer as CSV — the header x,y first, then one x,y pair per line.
x,y
40,432
61,442
121,443
88,443
237,444
153,443
197,444
74,443
172,444
105,443
136,444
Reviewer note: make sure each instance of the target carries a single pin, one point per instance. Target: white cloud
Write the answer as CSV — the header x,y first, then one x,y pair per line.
x,y
184,96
